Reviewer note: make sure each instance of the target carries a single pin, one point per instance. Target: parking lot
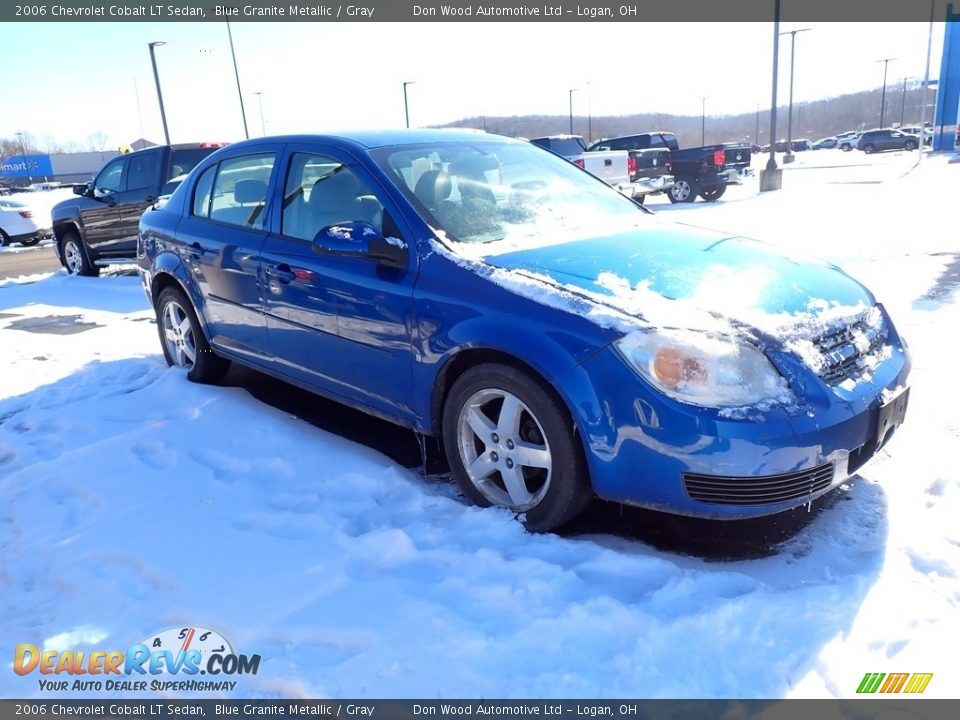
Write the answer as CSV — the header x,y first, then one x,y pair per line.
x,y
359,566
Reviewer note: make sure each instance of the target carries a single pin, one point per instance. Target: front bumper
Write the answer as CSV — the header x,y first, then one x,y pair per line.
x,y
646,449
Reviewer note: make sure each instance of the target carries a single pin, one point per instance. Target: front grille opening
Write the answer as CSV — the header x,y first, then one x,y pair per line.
x,y
761,490
844,349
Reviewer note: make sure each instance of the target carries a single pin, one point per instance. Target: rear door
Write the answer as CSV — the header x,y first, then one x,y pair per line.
x,y
340,324
221,239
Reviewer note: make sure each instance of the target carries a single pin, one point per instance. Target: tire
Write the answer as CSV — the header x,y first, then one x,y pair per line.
x,y
4,238
639,199
713,193
846,148
30,242
74,256
684,190
182,339
486,456
868,149
910,145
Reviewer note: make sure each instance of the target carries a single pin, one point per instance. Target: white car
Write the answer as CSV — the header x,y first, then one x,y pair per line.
x,y
915,131
18,223
848,141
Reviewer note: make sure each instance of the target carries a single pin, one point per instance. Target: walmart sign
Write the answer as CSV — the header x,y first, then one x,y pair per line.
x,y
25,166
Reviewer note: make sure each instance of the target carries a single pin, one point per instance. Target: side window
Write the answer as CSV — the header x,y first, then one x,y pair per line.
x,y
240,190
143,170
321,191
202,192
110,179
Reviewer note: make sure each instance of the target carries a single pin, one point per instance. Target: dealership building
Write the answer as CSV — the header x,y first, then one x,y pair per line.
x,y
945,135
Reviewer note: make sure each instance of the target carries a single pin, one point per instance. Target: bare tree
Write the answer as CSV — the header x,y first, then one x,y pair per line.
x,y
99,141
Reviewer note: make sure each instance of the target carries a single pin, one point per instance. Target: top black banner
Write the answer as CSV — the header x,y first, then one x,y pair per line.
x,y
499,11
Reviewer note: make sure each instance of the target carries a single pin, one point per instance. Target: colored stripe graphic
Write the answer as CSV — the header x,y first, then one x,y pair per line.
x,y
870,682
918,683
894,683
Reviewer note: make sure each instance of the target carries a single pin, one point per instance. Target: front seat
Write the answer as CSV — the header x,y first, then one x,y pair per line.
x,y
334,199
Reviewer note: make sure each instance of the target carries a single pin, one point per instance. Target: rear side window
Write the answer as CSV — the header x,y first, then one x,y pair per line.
x,y
566,146
235,191
202,192
143,170
184,160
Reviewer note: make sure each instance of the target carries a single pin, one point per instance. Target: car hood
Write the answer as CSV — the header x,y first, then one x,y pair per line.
x,y
734,277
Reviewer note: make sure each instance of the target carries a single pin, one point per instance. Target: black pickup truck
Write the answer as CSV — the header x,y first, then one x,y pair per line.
x,y
704,171
99,226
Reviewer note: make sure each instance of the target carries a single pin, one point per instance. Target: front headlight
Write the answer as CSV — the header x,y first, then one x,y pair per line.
x,y
702,369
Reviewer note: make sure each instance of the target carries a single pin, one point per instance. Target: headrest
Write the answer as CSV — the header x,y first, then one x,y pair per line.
x,y
250,191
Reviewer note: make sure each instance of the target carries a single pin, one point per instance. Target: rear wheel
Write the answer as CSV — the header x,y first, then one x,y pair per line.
x,y
509,443
30,241
713,193
638,199
74,256
868,148
846,148
4,238
184,344
684,190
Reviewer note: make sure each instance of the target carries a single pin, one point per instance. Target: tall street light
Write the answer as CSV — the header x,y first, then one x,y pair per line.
x,y
757,133
883,95
788,157
406,107
771,177
572,91
156,78
703,121
236,74
903,101
263,123
589,117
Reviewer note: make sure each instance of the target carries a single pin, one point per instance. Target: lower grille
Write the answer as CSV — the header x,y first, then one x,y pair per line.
x,y
763,490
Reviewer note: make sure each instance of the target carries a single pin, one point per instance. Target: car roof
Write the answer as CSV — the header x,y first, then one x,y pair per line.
x,y
369,139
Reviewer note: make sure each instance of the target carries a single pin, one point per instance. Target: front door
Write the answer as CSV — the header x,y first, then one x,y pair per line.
x,y
99,213
343,324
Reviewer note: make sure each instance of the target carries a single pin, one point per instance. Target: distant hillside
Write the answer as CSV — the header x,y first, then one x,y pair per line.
x,y
810,120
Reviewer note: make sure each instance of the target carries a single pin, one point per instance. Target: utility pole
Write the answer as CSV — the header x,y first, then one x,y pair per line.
x,y
883,95
788,157
236,73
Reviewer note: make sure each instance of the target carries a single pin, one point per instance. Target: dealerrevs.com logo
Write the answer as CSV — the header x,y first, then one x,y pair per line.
x,y
149,665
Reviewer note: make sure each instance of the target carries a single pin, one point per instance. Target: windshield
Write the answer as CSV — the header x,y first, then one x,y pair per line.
x,y
506,196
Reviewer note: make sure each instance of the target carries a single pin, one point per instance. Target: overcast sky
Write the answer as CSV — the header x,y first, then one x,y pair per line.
x,y
69,80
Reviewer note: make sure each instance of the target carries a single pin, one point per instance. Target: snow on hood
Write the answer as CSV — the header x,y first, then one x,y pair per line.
x,y
680,276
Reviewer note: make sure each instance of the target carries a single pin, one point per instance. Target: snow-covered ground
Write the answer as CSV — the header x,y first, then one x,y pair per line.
x,y
132,501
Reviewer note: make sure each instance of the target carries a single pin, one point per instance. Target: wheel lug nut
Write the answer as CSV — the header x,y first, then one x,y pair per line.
x,y
495,437
509,464
494,457
509,444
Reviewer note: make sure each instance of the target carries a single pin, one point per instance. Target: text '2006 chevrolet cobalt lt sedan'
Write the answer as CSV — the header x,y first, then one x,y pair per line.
x,y
562,341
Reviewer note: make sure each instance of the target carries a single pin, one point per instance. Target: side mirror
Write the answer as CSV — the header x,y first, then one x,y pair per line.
x,y
357,239
81,189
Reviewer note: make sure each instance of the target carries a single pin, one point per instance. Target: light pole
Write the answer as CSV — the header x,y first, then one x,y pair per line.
x,y
757,133
156,78
703,121
406,107
236,74
903,101
883,95
572,91
788,157
263,123
589,117
771,177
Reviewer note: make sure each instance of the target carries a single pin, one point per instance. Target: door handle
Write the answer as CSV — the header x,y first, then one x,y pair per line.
x,y
281,272
196,250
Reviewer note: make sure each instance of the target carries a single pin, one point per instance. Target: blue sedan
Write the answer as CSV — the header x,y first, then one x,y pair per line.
x,y
561,340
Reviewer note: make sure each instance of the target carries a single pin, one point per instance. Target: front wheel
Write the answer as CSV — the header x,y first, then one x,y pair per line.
x,y
910,145
184,344
509,443
74,256
846,148
713,193
684,190
868,149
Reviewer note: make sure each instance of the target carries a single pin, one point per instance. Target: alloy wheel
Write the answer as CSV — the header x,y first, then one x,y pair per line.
x,y
178,335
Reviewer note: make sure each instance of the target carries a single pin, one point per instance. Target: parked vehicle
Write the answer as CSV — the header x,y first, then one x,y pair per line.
x,y
801,145
650,170
613,167
99,226
917,131
19,224
697,171
827,143
887,139
560,340
847,141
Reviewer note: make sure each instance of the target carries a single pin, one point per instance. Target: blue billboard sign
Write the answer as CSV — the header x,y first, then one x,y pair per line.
x,y
25,166
948,90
